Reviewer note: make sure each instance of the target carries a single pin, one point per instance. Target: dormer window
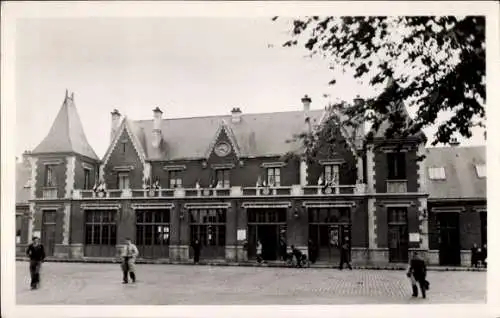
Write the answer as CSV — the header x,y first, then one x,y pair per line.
x,y
274,177
331,174
123,180
481,170
437,173
86,179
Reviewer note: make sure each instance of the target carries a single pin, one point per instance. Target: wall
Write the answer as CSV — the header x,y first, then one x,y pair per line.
x,y
129,157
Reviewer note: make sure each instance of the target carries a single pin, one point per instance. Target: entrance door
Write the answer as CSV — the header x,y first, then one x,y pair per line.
x,y
449,238
153,233
48,234
398,234
269,227
329,239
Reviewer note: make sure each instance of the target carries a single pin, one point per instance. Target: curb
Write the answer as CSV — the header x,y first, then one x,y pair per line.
x,y
252,264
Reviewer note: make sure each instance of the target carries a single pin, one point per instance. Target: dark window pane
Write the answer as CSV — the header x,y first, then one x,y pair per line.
x,y
105,234
148,239
148,217
139,233
96,239
88,234
139,216
113,235
222,235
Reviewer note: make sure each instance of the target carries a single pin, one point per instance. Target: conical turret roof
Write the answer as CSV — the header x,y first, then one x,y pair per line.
x,y
66,133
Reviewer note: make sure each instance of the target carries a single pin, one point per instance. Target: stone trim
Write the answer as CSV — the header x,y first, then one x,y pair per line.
x,y
395,148
101,206
53,162
479,209
66,223
50,207
219,166
123,168
174,167
334,162
303,172
395,203
140,206
277,164
70,176
372,224
87,166
328,204
423,224
458,209
278,204
370,170
208,205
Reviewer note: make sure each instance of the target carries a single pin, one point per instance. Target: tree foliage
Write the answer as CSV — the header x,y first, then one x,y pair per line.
x,y
433,64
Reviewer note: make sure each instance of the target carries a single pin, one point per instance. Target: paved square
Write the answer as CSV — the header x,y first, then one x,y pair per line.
x,y
100,284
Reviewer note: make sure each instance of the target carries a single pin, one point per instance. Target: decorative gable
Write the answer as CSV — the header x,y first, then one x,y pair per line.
x,y
223,144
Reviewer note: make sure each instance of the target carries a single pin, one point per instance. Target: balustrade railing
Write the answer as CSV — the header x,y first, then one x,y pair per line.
x,y
49,193
235,191
397,186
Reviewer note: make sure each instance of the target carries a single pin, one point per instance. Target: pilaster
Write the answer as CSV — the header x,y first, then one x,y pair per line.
x,y
303,172
70,176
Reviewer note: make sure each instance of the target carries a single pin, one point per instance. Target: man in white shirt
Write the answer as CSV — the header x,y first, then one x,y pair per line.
x,y
129,255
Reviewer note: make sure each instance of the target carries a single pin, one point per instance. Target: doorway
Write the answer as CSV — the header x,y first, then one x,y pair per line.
x,y
449,238
48,235
398,234
269,227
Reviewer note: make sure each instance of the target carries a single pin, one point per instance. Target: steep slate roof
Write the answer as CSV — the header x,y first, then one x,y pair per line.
x,y
23,174
66,133
461,180
263,134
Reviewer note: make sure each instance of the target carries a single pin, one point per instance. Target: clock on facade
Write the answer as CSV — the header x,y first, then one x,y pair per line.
x,y
222,149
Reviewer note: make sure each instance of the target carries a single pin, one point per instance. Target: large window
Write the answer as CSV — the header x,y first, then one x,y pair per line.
x,y
329,215
332,174
209,226
153,227
86,177
100,227
274,177
396,162
49,176
175,179
123,180
222,176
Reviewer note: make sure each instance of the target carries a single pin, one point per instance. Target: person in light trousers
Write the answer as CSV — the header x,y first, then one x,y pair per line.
x,y
129,256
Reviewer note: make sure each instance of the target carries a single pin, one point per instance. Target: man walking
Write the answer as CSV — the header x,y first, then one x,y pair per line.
x,y
36,253
197,250
129,255
417,273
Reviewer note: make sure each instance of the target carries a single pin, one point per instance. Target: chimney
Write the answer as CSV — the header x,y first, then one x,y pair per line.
x,y
236,115
157,117
454,142
115,122
306,101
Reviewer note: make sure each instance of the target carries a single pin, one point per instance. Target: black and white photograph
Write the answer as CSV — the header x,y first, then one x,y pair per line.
x,y
287,157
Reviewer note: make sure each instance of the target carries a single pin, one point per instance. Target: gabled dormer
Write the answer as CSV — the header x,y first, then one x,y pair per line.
x,y
222,155
124,164
64,160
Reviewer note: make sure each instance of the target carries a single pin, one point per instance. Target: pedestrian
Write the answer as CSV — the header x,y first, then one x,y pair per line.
x,y
474,251
417,273
344,254
36,253
196,250
283,248
259,252
129,256
312,251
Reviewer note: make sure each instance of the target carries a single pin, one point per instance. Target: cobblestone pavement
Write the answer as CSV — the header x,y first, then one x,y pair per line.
x,y
100,284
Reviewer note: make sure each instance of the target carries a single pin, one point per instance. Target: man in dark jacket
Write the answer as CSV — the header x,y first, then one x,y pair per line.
x,y
313,251
417,273
197,251
474,255
36,253
344,254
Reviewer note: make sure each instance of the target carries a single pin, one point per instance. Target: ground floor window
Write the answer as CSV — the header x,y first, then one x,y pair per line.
x,y
100,232
208,226
153,233
398,236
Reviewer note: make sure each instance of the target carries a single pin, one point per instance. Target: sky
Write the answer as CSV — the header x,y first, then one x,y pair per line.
x,y
186,66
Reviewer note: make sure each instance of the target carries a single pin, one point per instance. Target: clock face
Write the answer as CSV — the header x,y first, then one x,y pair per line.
x,y
222,149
